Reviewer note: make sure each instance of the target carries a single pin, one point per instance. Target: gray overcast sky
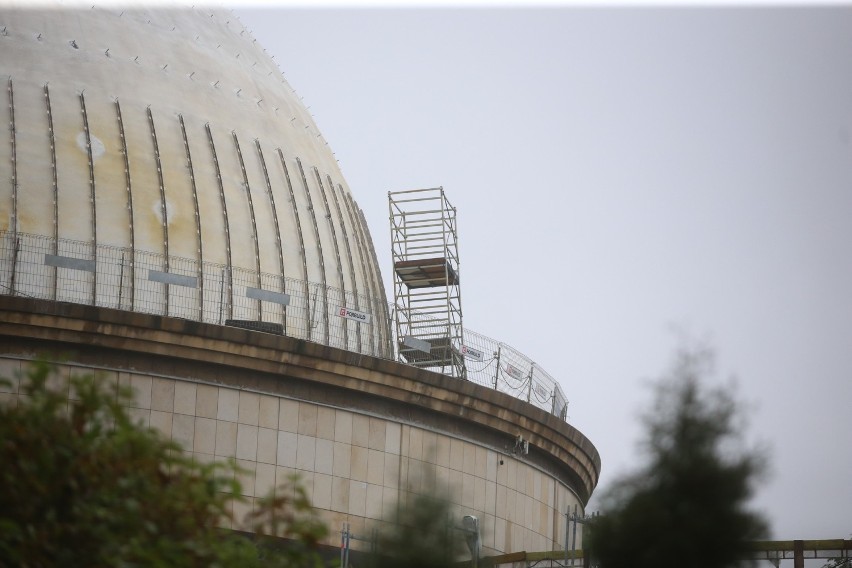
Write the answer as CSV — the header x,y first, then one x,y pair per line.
x,y
618,172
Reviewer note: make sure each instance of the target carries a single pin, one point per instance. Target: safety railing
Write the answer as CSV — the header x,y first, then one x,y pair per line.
x,y
500,366
65,270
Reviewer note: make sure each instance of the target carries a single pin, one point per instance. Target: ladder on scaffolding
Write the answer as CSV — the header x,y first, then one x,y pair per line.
x,y
427,297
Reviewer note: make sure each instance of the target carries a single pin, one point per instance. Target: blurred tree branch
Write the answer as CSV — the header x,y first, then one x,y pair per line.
x,y
686,506
82,484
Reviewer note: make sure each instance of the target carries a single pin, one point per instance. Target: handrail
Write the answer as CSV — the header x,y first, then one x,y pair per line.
x,y
771,550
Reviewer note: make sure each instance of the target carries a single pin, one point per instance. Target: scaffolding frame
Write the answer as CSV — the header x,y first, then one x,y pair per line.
x,y
427,296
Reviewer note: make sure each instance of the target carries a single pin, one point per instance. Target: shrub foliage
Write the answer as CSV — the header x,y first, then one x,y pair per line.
x,y
82,484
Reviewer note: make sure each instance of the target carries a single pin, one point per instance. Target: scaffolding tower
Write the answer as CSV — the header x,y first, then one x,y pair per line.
x,y
427,298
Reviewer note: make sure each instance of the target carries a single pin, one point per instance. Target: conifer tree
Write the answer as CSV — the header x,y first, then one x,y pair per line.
x,y
687,507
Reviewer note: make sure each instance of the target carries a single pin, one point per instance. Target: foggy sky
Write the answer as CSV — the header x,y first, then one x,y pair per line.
x,y
620,172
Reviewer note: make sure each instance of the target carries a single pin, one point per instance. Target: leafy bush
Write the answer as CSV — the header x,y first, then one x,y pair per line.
x,y
82,484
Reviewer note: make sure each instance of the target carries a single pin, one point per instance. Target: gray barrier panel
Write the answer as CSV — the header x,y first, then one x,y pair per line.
x,y
267,296
176,279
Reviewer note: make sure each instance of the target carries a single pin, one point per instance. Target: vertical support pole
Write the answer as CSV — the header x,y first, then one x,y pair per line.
x,y
342,541
352,279
798,554
227,225
120,280
14,263
319,250
271,197
574,535
128,188
344,545
258,281
348,543
497,370
567,524
369,295
92,197
55,244
14,157
221,296
301,238
334,241
164,212
530,378
199,251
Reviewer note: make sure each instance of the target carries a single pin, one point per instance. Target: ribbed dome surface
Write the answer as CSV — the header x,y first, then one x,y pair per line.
x,y
170,140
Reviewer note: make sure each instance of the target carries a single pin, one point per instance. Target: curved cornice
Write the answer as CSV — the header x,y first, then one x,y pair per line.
x,y
293,367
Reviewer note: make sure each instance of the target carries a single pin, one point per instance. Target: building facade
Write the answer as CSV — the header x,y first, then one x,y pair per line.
x,y
162,189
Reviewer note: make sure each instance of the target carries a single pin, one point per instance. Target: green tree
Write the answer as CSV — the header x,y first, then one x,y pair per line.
x,y
287,514
687,507
82,484
423,532
422,535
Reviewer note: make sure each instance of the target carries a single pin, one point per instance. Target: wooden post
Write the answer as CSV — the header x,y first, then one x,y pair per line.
x,y
798,554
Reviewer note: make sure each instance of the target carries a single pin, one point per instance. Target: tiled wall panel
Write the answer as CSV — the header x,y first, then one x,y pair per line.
x,y
356,468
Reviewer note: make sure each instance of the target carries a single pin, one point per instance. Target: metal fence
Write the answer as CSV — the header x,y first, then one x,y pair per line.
x,y
114,277
500,366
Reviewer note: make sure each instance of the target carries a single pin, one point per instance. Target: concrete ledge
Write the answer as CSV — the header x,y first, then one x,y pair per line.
x,y
297,368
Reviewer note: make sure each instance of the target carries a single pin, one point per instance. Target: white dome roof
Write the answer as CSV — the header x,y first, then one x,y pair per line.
x,y
170,137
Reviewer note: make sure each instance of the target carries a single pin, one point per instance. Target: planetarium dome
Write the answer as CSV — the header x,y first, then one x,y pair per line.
x,y
161,163
161,190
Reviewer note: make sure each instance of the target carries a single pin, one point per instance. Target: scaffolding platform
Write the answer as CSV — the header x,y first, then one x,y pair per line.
x,y
441,353
426,272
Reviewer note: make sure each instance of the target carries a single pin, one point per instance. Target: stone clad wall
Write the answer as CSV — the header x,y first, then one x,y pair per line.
x,y
355,466
363,433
